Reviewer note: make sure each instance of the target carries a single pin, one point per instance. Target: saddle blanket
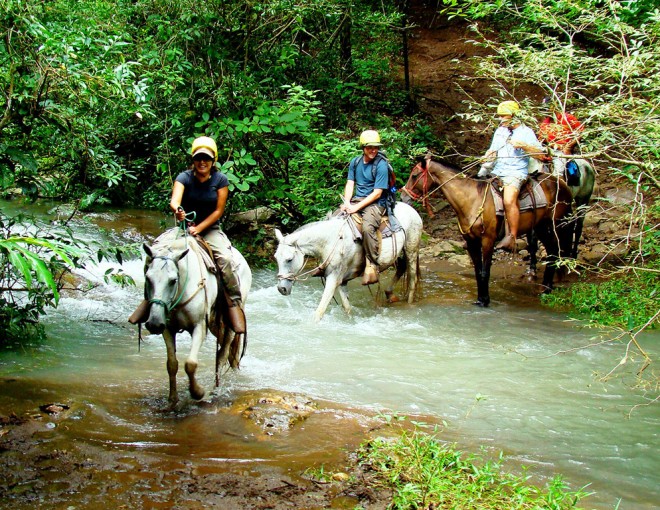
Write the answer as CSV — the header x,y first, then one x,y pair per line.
x,y
526,201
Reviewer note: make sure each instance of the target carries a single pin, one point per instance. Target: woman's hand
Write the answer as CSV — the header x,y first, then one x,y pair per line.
x,y
180,214
193,230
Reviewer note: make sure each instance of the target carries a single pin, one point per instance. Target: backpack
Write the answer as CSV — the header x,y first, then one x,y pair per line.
x,y
572,173
390,192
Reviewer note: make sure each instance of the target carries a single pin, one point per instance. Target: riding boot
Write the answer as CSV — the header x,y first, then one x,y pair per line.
x,y
235,314
141,313
370,273
232,292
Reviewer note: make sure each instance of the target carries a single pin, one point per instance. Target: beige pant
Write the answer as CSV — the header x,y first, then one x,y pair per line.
x,y
371,218
222,253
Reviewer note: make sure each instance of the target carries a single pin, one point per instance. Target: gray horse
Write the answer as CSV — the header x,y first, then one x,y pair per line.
x,y
182,291
340,258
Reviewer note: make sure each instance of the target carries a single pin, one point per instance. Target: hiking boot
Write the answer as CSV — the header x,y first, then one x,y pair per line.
x,y
141,313
507,244
370,274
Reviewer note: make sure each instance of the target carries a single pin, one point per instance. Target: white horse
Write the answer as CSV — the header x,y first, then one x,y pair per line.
x,y
340,258
581,191
182,291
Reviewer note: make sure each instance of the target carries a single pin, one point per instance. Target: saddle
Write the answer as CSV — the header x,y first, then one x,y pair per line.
x,y
385,228
223,305
531,195
207,255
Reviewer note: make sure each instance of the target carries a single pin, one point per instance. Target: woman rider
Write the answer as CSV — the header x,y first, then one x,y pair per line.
x,y
203,190
200,195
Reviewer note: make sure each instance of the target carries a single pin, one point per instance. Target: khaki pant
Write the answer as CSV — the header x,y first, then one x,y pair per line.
x,y
371,218
221,246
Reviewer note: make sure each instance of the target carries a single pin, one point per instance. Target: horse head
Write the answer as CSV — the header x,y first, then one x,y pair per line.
x,y
418,185
161,287
290,261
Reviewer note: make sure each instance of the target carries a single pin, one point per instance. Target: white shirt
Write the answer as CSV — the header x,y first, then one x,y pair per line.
x,y
511,161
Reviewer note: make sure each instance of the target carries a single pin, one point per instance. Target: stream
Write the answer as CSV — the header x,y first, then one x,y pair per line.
x,y
516,377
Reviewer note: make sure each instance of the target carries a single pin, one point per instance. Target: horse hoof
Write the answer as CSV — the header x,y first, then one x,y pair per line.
x,y
482,304
391,297
197,393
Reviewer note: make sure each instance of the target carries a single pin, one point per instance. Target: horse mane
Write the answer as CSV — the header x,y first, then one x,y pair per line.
x,y
171,239
313,225
456,170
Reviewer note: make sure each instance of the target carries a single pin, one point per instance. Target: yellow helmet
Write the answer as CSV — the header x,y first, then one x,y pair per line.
x,y
204,145
370,137
508,108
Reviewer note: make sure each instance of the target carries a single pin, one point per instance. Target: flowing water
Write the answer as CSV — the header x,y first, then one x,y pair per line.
x,y
515,377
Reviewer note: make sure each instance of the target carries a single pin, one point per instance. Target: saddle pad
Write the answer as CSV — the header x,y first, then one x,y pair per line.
x,y
205,251
174,235
525,202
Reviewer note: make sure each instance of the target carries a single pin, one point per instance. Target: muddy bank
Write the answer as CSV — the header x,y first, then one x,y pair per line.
x,y
48,460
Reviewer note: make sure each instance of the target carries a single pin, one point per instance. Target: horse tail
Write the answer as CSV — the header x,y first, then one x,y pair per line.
x,y
418,287
238,348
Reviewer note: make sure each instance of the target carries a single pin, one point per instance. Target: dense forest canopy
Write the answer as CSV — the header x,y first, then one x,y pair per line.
x,y
102,98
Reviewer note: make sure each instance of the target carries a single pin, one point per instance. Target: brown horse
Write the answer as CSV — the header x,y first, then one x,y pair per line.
x,y
480,224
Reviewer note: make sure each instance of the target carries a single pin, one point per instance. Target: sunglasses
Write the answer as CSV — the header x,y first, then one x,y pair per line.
x,y
203,157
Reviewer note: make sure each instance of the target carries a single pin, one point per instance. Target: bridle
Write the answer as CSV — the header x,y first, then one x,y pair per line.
x,y
169,306
176,299
427,178
299,276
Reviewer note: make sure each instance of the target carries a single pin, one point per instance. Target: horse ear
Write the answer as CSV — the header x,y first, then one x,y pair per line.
x,y
279,236
183,254
147,250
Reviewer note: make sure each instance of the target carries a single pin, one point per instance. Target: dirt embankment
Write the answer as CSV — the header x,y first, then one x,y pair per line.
x,y
441,57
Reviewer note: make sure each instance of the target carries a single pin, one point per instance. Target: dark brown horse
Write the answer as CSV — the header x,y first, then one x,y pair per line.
x,y
480,225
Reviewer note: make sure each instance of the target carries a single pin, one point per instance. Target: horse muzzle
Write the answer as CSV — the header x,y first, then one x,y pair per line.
x,y
285,287
156,322
406,198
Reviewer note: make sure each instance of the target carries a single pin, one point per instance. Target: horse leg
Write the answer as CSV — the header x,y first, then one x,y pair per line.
x,y
331,284
172,365
343,295
533,248
580,213
413,274
400,268
481,271
549,239
196,391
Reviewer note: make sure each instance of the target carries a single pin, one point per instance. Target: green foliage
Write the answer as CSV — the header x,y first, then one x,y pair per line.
x,y
103,98
423,472
628,301
30,267
34,262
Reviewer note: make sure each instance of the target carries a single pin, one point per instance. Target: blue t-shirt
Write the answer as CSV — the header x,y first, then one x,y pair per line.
x,y
201,197
363,176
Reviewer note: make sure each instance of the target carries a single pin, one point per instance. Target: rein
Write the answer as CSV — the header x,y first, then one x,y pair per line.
x,y
427,176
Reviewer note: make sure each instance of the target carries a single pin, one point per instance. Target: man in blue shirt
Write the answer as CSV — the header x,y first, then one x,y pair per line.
x,y
365,194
